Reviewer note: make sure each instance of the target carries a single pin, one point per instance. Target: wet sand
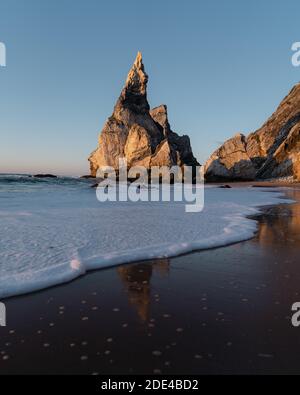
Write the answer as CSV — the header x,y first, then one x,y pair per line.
x,y
223,311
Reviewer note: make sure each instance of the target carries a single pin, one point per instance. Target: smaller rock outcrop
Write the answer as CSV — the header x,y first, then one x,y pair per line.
x,y
87,177
230,162
44,176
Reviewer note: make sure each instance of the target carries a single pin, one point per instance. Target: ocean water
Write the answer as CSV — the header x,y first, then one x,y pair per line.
x,y
54,230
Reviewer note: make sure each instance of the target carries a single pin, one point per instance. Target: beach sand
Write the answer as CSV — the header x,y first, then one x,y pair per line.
x,y
222,311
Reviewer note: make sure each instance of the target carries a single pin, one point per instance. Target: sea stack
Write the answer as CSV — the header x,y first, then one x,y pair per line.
x,y
273,151
140,135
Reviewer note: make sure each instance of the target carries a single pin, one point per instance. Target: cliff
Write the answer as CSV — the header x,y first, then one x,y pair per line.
x,y
270,152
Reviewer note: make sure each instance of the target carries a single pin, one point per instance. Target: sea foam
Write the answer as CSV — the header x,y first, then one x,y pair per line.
x,y
54,232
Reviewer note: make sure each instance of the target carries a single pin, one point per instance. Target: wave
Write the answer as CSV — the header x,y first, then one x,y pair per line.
x,y
49,239
19,179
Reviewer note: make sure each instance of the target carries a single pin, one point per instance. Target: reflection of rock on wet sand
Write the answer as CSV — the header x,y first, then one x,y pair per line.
x,y
136,279
281,222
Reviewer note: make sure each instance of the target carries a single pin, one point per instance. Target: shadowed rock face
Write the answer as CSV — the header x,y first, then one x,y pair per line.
x,y
270,152
134,132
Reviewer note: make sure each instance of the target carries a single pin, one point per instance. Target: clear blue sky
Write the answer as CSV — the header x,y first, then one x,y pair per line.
x,y
220,66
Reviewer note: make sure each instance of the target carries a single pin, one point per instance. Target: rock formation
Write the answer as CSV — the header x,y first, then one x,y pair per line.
x,y
44,176
273,151
230,162
134,132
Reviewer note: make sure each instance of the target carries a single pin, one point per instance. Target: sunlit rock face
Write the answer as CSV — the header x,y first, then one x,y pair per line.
x,y
272,151
134,132
230,162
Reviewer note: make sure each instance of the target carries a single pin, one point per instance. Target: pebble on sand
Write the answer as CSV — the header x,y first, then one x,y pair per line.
x,y
156,353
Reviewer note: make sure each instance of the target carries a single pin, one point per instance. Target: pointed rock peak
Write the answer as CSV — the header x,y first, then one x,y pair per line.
x,y
139,60
137,78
